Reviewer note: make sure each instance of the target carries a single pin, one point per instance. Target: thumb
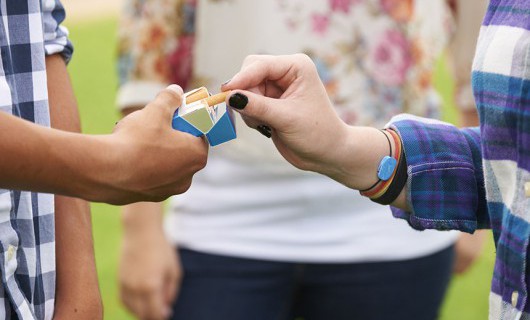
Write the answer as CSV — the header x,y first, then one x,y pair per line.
x,y
169,99
259,108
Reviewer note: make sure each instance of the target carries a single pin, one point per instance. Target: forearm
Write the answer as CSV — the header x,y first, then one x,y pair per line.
x,y
77,284
46,158
78,295
142,218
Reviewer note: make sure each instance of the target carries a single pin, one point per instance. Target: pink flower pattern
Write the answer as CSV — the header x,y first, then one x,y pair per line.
x,y
388,62
341,5
390,58
320,23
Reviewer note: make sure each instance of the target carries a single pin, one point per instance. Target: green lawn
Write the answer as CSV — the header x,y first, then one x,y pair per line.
x,y
94,78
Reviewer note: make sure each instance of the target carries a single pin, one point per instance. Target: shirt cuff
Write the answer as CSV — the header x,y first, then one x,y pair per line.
x,y
137,93
444,175
55,34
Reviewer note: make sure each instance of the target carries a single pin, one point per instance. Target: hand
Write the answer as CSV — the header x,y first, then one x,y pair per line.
x,y
149,274
286,94
153,161
468,248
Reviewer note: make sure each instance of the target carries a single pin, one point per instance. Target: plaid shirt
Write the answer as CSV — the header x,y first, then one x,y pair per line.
x,y
29,30
469,178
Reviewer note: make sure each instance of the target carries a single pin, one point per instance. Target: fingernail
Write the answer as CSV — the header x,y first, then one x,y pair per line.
x,y
226,82
265,130
238,101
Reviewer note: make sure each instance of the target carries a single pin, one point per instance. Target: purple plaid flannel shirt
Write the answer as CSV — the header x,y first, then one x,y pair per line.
x,y
480,178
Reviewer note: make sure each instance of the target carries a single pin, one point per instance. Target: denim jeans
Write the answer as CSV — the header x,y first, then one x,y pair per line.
x,y
230,288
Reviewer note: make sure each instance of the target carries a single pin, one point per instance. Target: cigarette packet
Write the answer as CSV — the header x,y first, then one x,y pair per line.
x,y
202,114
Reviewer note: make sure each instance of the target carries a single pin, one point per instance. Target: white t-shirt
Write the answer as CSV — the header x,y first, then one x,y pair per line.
x,y
249,202
376,59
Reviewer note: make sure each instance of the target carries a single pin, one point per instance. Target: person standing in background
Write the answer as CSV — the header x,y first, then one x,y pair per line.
x,y
254,237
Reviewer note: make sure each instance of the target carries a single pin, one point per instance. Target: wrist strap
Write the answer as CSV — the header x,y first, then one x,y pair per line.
x,y
390,155
399,180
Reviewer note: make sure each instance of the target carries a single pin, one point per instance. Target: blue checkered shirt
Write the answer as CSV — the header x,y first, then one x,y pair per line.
x,y
480,177
29,30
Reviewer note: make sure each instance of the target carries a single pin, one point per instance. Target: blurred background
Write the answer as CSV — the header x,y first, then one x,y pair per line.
x,y
92,26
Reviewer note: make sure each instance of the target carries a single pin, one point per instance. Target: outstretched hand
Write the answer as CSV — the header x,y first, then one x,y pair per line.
x,y
285,94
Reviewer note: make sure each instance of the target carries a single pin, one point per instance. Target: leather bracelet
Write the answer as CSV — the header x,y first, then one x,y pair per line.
x,y
397,184
389,156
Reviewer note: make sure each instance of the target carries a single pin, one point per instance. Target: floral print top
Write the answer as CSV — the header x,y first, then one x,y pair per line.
x,y
376,57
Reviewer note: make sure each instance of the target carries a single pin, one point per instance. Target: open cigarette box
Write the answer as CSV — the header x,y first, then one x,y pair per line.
x,y
204,115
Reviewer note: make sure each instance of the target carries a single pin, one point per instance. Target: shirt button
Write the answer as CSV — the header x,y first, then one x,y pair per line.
x,y
515,298
10,252
527,189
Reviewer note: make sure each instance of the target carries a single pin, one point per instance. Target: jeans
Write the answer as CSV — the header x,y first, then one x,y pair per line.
x,y
230,288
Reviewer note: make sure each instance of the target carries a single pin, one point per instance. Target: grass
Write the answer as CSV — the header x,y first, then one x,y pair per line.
x,y
95,82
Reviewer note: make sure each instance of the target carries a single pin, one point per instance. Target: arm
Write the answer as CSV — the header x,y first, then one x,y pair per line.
x,y
77,284
77,293
143,160
445,187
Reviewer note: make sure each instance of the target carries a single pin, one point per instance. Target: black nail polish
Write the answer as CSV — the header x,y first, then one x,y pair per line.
x,y
265,130
238,101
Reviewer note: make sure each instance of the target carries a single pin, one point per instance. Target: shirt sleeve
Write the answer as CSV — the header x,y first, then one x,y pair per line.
x,y
155,47
468,19
445,176
55,34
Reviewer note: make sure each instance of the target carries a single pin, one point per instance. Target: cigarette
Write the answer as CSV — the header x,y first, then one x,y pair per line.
x,y
196,95
217,98
202,94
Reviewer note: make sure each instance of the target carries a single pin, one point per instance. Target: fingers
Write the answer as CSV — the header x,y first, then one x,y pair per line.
x,y
260,110
172,284
280,69
147,304
156,308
